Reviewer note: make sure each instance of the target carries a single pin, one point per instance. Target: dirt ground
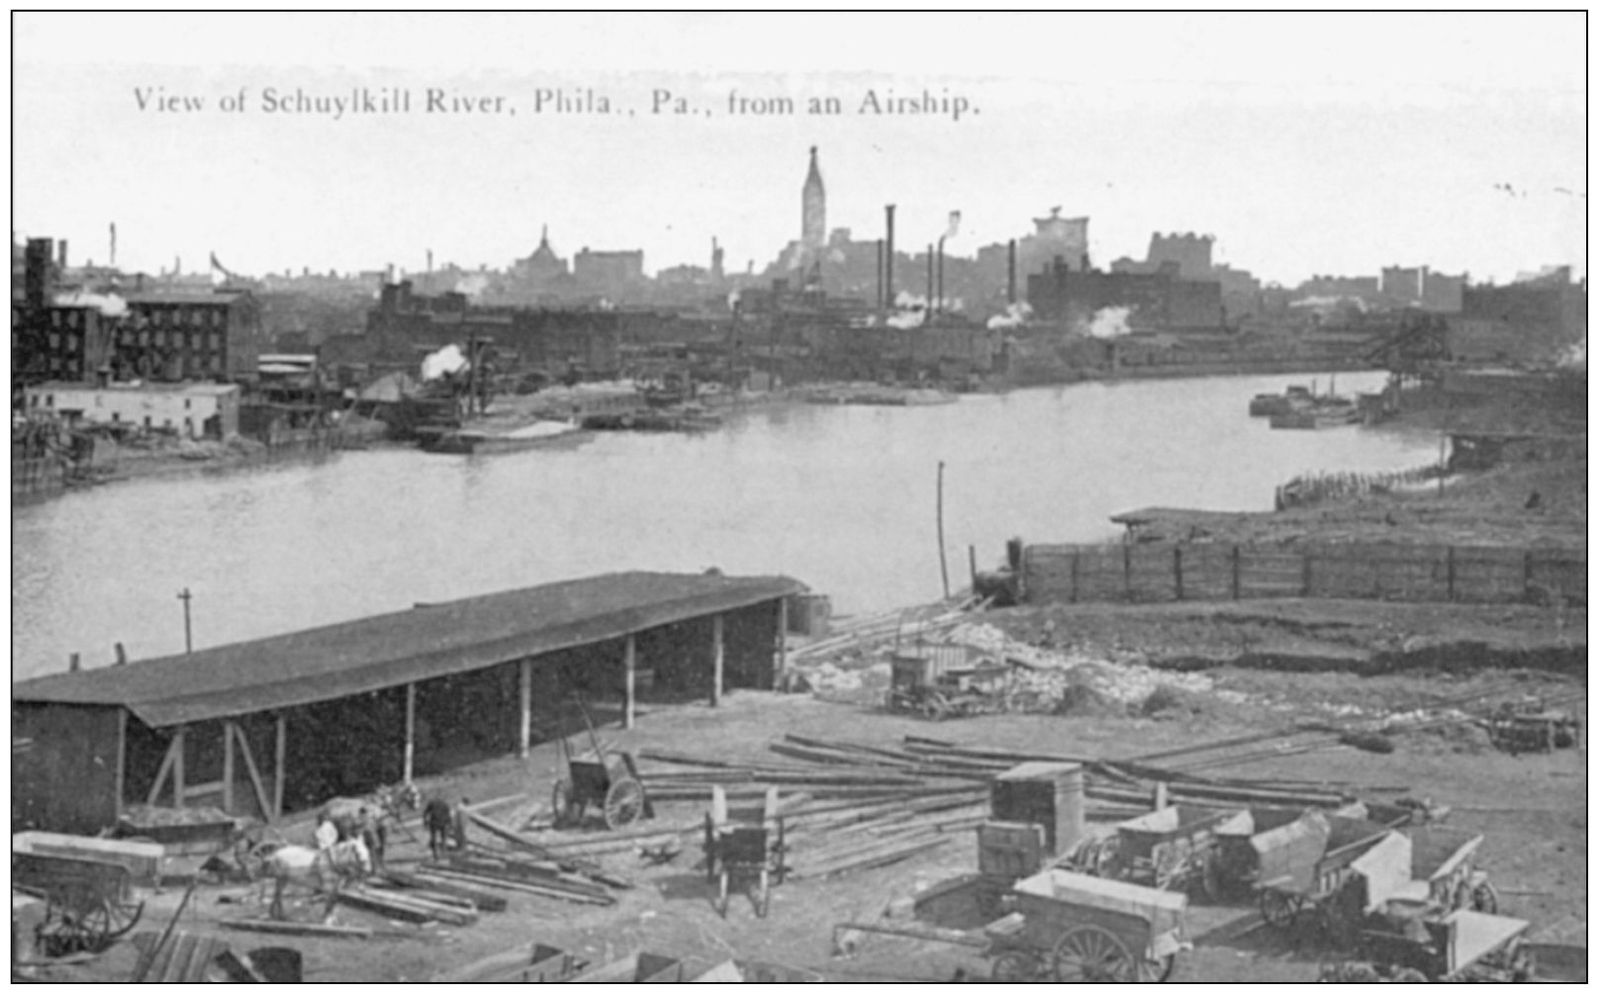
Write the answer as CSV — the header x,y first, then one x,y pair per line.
x,y
1531,808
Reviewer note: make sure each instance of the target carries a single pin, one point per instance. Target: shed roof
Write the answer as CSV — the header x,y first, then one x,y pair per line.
x,y
378,652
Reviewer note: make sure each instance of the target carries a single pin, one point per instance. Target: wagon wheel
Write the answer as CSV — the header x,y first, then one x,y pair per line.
x,y
108,921
1089,953
1483,898
934,707
1168,868
1279,909
624,802
1016,966
561,802
1157,969
763,894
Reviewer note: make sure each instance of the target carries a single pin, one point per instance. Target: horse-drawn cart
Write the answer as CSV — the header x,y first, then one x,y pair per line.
x,y
1069,927
1309,876
88,904
1415,942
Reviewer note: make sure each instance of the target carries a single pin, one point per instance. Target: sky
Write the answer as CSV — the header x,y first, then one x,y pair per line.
x,y
1304,143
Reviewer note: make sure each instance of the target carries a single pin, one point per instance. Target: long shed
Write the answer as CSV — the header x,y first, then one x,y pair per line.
x,y
268,725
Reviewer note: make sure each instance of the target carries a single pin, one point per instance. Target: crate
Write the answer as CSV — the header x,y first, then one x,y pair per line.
x,y
1011,851
1047,794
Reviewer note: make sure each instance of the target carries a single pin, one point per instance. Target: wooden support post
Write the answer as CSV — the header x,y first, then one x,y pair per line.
x,y
781,663
161,774
122,759
629,682
525,703
255,774
278,765
228,767
1452,579
717,658
1235,573
1179,578
411,731
1074,576
178,768
1129,595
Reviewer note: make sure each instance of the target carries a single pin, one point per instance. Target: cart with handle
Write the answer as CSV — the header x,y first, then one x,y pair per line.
x,y
753,849
88,903
1262,845
1070,927
1444,858
611,783
1420,942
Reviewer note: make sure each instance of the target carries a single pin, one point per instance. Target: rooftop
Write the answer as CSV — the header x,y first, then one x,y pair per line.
x,y
146,387
386,651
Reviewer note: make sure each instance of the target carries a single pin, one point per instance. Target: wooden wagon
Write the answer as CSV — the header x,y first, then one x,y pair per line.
x,y
1262,845
1328,886
610,782
744,846
1415,942
88,904
1070,927
1444,859
1170,848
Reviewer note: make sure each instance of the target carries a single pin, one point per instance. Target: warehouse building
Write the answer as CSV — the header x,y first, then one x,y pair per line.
x,y
277,725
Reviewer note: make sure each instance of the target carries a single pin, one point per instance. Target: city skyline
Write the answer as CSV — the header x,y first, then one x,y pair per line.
x,y
1465,154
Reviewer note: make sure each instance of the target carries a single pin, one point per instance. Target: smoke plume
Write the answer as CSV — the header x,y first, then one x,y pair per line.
x,y
473,286
1109,323
1017,314
109,305
448,360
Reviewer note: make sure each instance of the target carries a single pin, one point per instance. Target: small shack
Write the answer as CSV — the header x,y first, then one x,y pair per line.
x,y
274,725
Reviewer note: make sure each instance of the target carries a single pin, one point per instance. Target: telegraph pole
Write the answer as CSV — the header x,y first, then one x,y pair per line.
x,y
189,646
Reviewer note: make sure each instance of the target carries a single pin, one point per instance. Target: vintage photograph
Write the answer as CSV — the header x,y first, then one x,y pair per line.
x,y
798,498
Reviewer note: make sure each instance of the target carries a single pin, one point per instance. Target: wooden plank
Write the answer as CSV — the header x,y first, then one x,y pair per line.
x,y
485,900
411,730
297,929
228,767
525,704
162,773
254,774
405,907
524,885
122,760
718,658
629,682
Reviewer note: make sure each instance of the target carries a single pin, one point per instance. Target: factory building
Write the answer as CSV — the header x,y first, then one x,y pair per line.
x,y
1160,300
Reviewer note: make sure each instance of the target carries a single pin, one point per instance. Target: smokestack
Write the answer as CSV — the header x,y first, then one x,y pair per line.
x,y
890,254
1012,271
61,254
929,285
879,274
114,245
36,273
430,254
940,277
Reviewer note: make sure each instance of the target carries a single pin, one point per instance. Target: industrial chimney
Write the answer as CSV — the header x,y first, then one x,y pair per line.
x,y
61,254
1012,271
890,255
879,274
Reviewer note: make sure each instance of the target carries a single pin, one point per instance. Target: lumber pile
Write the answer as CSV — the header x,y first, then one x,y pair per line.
x,y
483,867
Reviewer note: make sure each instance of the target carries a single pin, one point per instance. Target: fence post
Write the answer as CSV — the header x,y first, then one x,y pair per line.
x,y
1235,573
1129,595
1179,577
1307,573
1074,576
1452,576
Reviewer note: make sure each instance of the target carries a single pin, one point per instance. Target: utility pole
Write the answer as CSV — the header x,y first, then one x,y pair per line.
x,y
189,645
940,524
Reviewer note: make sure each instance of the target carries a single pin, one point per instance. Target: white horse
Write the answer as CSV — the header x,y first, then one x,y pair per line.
x,y
327,870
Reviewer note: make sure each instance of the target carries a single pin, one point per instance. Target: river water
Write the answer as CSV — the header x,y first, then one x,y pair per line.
x,y
840,497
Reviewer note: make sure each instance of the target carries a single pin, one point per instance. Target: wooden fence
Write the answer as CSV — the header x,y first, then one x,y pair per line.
x,y
1151,572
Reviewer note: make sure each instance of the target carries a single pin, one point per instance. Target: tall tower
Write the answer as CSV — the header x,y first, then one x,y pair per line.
x,y
812,211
